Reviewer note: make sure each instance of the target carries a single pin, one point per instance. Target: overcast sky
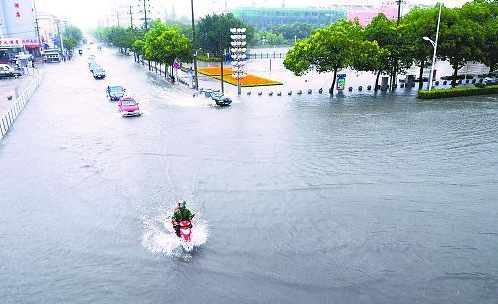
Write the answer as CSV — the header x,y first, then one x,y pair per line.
x,y
87,13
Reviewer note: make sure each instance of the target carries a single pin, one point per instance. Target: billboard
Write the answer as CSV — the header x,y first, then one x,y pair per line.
x,y
341,82
20,21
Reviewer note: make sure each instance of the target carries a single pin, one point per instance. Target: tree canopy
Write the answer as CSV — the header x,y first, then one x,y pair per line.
x,y
164,44
335,47
213,32
73,32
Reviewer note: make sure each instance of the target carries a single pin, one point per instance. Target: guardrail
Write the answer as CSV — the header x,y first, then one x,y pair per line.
x,y
18,105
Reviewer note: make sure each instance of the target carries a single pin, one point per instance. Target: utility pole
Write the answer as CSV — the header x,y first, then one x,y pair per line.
x,y
193,45
399,11
131,17
222,59
60,38
117,17
145,13
37,27
395,74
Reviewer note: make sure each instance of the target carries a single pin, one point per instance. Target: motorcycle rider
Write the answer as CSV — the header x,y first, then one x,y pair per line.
x,y
181,214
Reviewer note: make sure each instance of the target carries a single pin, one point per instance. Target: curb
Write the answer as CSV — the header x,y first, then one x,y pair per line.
x,y
8,119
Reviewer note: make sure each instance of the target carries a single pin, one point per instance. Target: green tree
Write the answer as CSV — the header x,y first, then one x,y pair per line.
x,y
164,44
122,37
272,38
419,23
293,31
69,43
389,37
460,40
73,32
335,47
213,32
137,48
485,13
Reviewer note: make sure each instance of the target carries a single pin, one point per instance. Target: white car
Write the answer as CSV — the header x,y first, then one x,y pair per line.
x,y
6,71
491,78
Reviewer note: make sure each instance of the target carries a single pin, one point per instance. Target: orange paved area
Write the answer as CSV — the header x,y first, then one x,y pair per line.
x,y
248,81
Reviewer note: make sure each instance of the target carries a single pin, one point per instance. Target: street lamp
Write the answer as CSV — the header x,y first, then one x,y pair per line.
x,y
434,45
193,46
238,54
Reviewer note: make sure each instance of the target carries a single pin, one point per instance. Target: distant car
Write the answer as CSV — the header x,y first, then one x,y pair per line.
x,y
80,51
6,71
99,48
128,106
491,78
93,65
115,92
98,73
214,95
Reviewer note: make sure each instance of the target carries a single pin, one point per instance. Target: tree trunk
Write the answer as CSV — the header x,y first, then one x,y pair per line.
x,y
395,80
455,75
331,90
420,75
377,81
148,61
492,66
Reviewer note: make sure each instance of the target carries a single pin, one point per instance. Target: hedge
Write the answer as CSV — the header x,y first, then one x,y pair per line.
x,y
456,92
208,59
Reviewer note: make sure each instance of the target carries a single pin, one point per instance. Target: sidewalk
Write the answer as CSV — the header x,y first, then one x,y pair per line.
x,y
8,88
14,94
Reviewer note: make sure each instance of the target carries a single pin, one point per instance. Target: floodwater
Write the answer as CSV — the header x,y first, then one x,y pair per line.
x,y
356,198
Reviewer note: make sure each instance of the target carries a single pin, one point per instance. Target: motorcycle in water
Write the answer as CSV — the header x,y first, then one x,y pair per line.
x,y
185,234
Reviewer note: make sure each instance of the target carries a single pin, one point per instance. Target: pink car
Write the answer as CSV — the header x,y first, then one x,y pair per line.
x,y
128,106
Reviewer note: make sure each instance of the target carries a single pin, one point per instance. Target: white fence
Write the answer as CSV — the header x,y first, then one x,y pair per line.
x,y
20,102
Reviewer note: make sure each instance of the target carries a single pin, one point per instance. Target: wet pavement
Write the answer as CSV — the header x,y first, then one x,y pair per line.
x,y
352,198
8,87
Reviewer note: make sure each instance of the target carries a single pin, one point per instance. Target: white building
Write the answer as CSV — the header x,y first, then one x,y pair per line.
x,y
17,27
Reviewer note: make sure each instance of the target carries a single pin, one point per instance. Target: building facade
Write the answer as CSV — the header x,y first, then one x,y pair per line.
x,y
18,30
365,13
264,18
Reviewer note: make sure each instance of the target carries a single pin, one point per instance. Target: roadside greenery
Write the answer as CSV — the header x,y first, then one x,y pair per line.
x,y
164,44
213,33
384,47
456,92
469,33
72,32
71,36
286,34
69,43
335,47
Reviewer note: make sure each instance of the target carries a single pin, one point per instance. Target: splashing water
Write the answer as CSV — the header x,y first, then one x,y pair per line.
x,y
159,237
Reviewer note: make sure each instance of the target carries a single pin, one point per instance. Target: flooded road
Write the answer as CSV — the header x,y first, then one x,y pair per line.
x,y
363,198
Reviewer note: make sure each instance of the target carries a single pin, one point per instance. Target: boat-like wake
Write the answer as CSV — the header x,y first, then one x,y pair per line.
x,y
159,236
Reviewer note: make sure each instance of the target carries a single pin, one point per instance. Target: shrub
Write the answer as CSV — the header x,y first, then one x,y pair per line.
x,y
456,92
208,59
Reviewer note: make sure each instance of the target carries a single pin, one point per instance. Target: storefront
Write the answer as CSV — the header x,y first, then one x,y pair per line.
x,y
9,48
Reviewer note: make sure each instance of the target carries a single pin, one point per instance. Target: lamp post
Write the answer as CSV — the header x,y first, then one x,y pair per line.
x,y
193,46
238,54
61,44
434,45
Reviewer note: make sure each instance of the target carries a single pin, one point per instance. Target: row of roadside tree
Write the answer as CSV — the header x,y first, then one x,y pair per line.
x,y
469,33
385,47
